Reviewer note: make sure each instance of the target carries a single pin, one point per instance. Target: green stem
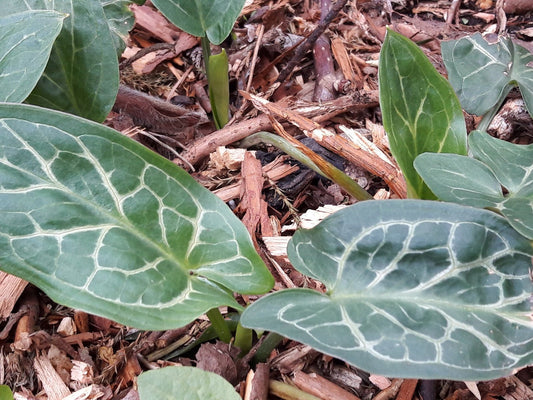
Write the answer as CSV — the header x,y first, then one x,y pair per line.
x,y
243,339
335,174
219,325
265,349
206,50
489,116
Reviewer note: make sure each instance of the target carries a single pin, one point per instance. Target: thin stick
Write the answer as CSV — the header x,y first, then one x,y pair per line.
x,y
311,39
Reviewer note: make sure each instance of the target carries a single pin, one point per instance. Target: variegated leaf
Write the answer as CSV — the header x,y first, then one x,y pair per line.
x,y
103,224
414,289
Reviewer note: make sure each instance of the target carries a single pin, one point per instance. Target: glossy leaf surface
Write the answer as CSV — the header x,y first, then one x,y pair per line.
x,y
103,224
421,112
415,288
472,63
211,18
478,182
184,383
81,76
26,40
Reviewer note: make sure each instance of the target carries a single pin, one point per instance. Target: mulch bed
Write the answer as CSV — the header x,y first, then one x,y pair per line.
x,y
51,352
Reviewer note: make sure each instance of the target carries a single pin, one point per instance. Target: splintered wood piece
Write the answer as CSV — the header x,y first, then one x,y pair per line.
x,y
407,390
274,171
338,144
11,287
342,58
252,201
154,22
52,383
321,387
257,383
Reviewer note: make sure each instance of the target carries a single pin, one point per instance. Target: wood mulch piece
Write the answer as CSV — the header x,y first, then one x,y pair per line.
x,y
51,352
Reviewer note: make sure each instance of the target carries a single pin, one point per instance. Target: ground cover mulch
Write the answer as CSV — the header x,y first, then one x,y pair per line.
x,y
48,351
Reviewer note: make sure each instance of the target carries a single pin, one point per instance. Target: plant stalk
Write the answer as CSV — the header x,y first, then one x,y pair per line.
x,y
489,116
243,339
219,325
265,349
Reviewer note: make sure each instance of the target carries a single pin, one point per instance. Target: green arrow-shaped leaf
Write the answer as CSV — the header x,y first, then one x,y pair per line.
x,y
211,18
478,182
101,223
184,383
421,113
26,40
414,289
472,62
82,73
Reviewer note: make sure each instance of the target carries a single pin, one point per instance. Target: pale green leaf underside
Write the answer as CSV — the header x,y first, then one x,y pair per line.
x,y
184,383
414,289
214,18
103,224
26,40
478,182
81,76
472,62
421,112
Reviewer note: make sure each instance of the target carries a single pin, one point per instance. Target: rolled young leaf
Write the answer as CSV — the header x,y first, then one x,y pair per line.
x,y
421,112
26,39
101,223
218,81
415,289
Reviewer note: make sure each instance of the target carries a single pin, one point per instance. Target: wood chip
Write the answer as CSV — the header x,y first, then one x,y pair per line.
x,y
52,383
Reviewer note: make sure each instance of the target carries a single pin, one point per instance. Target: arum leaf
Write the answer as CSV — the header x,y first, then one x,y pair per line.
x,y
420,110
414,289
472,62
184,383
26,40
511,163
211,18
120,19
103,224
82,73
459,179
478,182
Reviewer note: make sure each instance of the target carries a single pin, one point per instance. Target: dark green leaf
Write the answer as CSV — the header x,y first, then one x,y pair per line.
x,y
82,74
184,383
472,63
214,18
414,289
421,113
103,224
26,40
